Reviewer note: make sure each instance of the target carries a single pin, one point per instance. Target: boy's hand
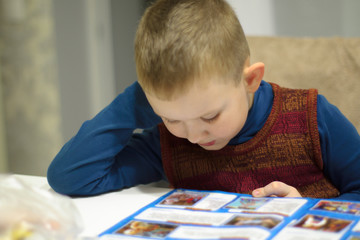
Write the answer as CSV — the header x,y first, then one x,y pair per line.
x,y
276,189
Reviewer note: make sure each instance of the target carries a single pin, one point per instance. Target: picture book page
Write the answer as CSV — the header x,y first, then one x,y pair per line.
x,y
191,214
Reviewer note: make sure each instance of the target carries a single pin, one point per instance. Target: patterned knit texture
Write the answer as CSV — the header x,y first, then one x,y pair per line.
x,y
286,149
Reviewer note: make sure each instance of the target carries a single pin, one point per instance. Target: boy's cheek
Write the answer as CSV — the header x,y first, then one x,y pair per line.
x,y
177,131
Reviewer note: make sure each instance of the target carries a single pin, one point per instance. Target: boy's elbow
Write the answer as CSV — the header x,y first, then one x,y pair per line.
x,y
59,182
64,181
72,182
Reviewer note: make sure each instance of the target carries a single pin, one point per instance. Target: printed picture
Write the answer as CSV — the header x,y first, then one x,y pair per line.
x,y
323,223
340,207
247,203
183,198
146,229
268,222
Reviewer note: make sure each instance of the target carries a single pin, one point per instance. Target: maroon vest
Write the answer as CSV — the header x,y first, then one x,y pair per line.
x,y
286,149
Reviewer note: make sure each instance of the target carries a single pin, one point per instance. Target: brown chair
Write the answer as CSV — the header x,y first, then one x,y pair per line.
x,y
332,65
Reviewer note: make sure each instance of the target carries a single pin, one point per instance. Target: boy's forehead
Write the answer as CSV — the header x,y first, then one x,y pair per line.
x,y
197,102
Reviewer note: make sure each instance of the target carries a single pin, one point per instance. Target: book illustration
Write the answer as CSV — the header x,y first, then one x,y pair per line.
x,y
196,200
266,221
313,227
247,203
323,223
146,229
183,198
338,206
266,205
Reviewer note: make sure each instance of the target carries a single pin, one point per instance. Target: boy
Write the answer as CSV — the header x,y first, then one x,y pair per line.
x,y
220,126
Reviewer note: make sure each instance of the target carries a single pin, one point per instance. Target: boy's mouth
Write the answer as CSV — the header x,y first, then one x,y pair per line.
x,y
207,144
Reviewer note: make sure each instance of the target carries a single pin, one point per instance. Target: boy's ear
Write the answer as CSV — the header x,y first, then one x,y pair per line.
x,y
253,75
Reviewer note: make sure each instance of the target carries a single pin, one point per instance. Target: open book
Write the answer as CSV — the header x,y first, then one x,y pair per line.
x,y
191,214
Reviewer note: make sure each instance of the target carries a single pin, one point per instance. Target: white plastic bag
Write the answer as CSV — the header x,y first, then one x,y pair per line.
x,y
29,213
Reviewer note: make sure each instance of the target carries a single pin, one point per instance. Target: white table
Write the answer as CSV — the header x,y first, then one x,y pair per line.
x,y
101,212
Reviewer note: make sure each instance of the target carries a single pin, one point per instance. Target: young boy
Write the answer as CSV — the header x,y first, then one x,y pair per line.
x,y
209,120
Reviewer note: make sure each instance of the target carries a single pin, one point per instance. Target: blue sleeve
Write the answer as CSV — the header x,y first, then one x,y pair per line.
x,y
105,155
340,147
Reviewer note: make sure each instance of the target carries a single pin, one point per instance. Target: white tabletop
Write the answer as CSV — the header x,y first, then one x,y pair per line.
x,y
101,212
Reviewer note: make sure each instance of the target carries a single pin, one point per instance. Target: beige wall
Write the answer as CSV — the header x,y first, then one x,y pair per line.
x,y
3,157
30,89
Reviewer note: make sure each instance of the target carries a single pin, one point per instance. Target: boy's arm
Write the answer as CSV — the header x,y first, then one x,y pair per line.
x,y
103,155
340,147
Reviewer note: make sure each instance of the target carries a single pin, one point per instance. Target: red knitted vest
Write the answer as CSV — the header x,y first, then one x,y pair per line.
x,y
286,149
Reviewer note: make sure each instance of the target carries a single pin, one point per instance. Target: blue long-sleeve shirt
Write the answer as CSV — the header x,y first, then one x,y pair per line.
x,y
106,155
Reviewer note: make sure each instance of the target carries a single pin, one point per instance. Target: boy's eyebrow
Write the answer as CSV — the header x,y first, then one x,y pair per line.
x,y
215,112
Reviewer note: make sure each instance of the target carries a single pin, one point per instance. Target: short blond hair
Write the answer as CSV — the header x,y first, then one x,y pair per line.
x,y
180,41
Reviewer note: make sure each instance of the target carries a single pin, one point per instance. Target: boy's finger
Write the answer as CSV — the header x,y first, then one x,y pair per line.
x,y
278,189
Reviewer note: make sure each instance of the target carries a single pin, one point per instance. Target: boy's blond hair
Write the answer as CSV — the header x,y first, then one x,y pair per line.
x,y
180,41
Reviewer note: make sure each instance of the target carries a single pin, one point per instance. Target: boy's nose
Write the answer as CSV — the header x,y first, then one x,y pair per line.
x,y
195,134
193,138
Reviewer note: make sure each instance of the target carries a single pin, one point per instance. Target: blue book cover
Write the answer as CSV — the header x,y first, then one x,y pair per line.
x,y
193,214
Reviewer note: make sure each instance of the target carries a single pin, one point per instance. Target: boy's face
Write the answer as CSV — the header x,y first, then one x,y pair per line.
x,y
208,116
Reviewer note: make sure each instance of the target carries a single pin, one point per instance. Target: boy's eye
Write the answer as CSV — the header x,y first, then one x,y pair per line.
x,y
211,119
170,121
